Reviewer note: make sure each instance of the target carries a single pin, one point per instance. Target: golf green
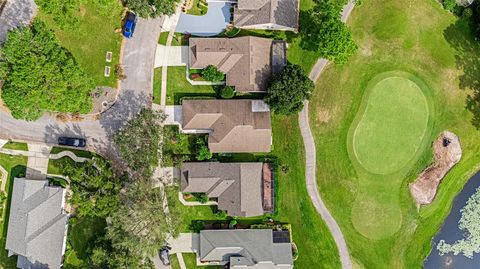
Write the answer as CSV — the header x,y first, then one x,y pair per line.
x,y
392,126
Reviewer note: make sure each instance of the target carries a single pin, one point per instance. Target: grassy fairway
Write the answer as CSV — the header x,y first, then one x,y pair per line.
x,y
92,38
394,36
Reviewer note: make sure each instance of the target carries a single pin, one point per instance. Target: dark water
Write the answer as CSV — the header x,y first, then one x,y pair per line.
x,y
450,233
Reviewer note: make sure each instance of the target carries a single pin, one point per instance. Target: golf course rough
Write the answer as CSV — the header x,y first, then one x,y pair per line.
x,y
392,126
388,134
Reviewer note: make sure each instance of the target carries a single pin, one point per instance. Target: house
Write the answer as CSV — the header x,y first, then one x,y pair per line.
x,y
246,61
267,14
37,227
238,125
262,248
241,189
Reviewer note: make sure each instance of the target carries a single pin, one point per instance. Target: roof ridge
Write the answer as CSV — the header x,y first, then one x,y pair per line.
x,y
45,227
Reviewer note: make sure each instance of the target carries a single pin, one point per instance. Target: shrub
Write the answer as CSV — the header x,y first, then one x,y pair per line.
x,y
227,92
202,151
202,198
221,214
211,73
197,226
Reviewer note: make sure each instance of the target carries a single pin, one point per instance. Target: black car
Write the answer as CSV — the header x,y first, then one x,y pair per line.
x,y
72,142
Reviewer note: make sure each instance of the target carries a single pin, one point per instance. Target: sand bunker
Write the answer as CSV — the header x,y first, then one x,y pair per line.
x,y
447,152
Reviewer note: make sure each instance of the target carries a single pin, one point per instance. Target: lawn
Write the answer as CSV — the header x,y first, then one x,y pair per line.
x,y
433,49
82,234
16,146
93,37
178,86
78,152
199,8
191,262
15,166
177,40
157,85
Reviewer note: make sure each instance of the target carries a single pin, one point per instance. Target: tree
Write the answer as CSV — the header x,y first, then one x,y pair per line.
x,y
287,91
227,92
201,148
211,73
325,33
470,224
152,8
94,187
62,11
139,142
40,75
140,226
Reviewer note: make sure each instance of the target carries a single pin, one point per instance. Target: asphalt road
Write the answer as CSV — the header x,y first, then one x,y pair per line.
x,y
135,93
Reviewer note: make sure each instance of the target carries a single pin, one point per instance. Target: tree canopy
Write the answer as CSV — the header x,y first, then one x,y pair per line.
x,y
211,73
287,91
139,142
40,75
152,8
95,188
470,224
325,33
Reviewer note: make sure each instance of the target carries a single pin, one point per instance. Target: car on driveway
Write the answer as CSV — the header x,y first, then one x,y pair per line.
x,y
130,24
72,142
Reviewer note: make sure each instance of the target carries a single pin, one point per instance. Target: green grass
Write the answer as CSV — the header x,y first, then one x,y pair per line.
x,y
157,85
191,262
178,86
82,234
92,38
54,166
177,40
16,146
391,126
16,167
432,48
174,262
78,152
199,8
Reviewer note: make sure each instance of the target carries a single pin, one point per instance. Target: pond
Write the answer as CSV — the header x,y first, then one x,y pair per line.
x,y
450,233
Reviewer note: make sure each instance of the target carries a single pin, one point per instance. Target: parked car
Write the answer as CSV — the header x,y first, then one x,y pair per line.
x,y
72,142
130,24
165,255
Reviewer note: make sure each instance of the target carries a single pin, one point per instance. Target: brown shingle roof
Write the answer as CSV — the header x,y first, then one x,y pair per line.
x,y
238,186
234,125
246,61
249,13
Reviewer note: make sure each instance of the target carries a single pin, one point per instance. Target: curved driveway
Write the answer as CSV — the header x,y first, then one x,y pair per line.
x,y
135,93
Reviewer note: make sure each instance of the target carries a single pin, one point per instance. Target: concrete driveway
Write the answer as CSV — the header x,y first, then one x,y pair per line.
x,y
185,243
171,56
211,24
16,13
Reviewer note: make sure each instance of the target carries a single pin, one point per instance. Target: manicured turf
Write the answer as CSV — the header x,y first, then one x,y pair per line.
x,y
157,85
178,86
16,146
191,262
93,37
199,8
396,37
392,125
15,166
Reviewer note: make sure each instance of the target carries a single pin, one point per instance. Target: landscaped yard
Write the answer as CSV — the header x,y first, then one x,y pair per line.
x,y
92,38
157,85
363,177
178,86
15,166
191,262
199,8
82,234
177,40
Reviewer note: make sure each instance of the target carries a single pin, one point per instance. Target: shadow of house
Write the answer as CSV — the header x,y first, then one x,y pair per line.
x,y
467,58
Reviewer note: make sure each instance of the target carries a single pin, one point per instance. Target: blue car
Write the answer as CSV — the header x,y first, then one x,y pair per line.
x,y
130,23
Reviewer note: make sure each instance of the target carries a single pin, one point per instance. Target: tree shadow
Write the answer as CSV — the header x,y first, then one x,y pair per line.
x,y
460,36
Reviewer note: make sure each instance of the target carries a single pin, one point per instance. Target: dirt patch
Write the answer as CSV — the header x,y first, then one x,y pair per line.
x,y
83,10
448,152
323,115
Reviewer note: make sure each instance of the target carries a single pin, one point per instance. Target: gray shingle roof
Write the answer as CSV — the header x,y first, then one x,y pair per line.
x,y
250,13
37,225
245,249
237,186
